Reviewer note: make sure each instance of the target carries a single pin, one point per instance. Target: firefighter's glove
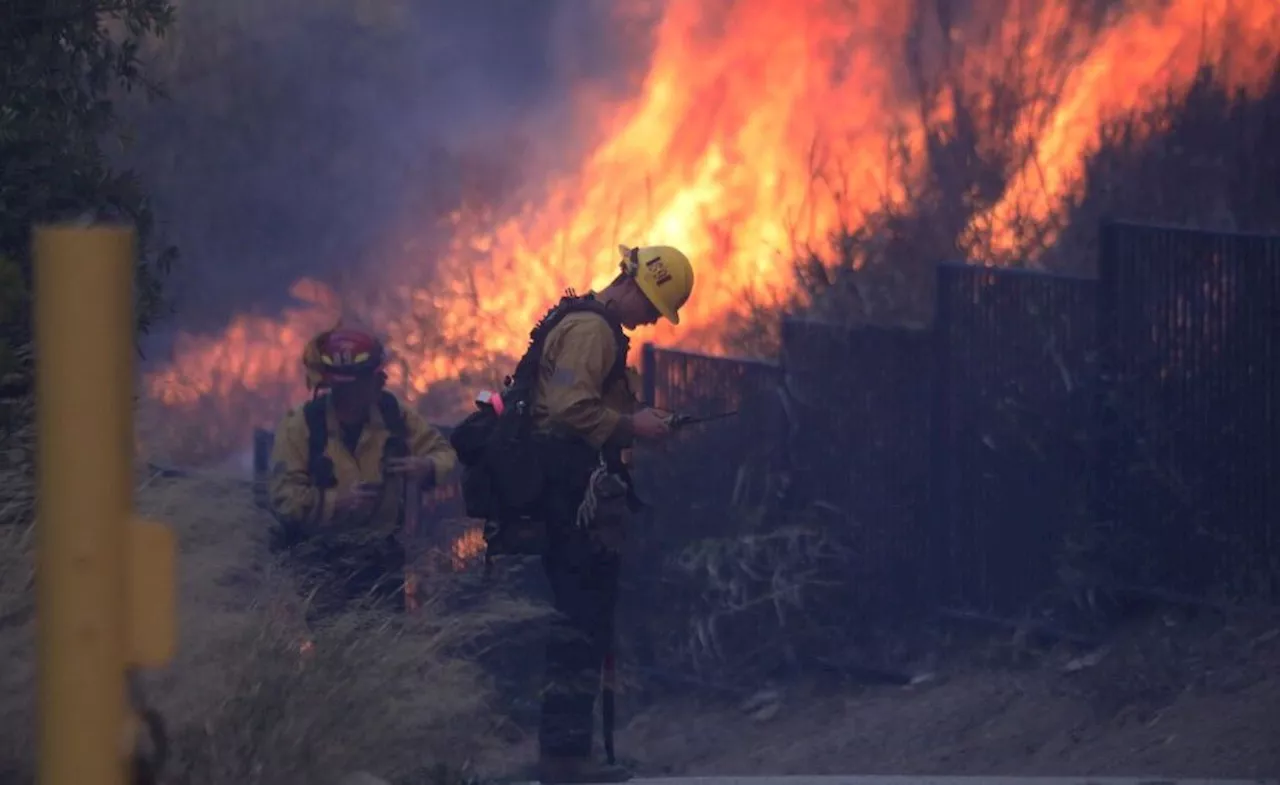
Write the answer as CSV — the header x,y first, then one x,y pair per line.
x,y
416,468
651,425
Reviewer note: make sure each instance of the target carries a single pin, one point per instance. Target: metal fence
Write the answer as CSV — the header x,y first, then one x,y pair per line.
x,y
1043,423
725,453
1190,449
692,383
1013,402
859,408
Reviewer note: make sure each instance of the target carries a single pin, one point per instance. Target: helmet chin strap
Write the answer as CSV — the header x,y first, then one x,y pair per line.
x,y
630,263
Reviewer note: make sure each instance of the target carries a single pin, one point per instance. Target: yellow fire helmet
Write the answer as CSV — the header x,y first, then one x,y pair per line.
x,y
663,273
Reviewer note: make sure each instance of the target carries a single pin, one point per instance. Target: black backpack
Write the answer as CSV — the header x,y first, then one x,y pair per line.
x,y
502,476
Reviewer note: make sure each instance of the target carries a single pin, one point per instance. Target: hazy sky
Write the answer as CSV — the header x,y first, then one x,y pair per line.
x,y
289,144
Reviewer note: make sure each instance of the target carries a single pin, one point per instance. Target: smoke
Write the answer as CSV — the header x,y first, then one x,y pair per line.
x,y
315,137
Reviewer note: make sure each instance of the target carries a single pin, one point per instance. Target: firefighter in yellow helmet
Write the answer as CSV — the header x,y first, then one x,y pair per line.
x,y
341,468
586,411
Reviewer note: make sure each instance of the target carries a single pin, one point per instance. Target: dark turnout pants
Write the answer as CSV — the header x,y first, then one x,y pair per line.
x,y
584,587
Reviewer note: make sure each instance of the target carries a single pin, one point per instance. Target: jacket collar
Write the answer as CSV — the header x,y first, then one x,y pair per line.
x,y
374,420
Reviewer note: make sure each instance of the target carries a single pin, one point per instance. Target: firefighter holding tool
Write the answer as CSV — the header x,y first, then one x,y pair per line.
x,y
546,457
342,467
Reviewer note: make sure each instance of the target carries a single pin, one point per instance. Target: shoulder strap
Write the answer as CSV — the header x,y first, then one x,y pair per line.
x,y
397,445
592,305
619,369
526,372
319,466
392,414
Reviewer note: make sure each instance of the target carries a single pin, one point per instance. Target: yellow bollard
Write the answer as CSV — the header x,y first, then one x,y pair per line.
x,y
92,576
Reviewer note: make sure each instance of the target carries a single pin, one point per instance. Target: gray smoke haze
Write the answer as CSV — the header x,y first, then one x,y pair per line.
x,y
296,134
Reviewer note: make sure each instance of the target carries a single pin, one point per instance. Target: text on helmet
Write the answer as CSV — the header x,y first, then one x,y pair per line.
x,y
659,270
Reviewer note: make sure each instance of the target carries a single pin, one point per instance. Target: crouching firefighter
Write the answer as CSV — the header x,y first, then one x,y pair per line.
x,y
343,466
543,466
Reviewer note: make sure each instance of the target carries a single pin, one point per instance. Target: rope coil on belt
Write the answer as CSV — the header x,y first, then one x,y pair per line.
x,y
590,502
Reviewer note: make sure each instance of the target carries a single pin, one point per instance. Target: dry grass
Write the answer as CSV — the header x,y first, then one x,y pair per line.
x,y
396,696
17,459
759,601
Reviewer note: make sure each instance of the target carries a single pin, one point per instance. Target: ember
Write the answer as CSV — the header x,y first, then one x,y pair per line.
x,y
467,548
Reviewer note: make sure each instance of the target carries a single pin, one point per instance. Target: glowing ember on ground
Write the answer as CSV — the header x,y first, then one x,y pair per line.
x,y
759,126
467,548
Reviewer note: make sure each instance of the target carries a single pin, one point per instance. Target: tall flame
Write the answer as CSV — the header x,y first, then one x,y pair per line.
x,y
761,125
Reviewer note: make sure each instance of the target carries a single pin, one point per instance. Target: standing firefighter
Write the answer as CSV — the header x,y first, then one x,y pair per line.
x,y
341,466
543,465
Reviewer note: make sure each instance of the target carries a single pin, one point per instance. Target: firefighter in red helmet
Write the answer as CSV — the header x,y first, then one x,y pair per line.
x,y
341,466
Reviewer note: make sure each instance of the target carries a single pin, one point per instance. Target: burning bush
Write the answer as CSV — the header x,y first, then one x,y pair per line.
x,y
1194,157
1191,152
1201,158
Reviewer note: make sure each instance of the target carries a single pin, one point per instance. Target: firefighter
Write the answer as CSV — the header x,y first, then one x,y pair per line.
x,y
586,412
343,466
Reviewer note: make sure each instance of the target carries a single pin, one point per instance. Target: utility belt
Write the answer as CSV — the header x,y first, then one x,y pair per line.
x,y
582,487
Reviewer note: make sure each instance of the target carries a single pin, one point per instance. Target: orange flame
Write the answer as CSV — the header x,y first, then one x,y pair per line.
x,y
761,126
466,548
1154,48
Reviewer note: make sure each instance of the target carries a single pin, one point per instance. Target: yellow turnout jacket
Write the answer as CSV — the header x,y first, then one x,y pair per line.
x,y
577,357
296,500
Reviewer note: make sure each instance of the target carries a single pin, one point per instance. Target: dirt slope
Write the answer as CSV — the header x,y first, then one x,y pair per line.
x,y
1155,703
1172,699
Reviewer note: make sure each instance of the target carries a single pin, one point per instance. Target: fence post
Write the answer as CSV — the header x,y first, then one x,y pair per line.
x,y
104,581
940,443
649,373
